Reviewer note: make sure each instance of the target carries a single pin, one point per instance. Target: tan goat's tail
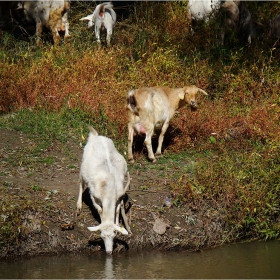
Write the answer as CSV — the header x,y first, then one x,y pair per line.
x,y
131,102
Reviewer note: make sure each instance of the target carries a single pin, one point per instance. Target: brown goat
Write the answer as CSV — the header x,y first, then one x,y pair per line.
x,y
151,108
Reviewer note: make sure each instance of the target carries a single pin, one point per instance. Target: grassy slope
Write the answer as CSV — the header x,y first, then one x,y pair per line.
x,y
233,139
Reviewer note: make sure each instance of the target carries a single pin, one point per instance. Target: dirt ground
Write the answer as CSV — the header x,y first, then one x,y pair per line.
x,y
56,228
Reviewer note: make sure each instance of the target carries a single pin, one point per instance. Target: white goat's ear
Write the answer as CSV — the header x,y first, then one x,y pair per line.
x,y
96,228
121,229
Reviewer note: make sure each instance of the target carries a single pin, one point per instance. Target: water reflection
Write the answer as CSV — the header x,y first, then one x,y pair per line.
x,y
253,260
109,274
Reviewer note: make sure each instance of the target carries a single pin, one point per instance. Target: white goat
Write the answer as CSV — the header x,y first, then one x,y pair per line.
x,y
103,170
103,17
150,109
202,9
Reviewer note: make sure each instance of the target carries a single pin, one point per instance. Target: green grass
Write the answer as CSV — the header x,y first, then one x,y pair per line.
x,y
245,184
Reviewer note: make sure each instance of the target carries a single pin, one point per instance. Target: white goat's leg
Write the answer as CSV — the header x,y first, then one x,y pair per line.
x,y
79,201
66,24
67,34
148,143
161,137
108,39
39,30
117,221
97,34
130,142
97,207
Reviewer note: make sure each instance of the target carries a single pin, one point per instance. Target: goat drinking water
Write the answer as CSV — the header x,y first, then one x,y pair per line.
x,y
103,171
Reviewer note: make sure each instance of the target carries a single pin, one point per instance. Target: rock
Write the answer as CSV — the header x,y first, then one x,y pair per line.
x,y
160,226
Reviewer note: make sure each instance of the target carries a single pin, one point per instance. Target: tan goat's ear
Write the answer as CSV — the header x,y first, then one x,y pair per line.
x,y
182,95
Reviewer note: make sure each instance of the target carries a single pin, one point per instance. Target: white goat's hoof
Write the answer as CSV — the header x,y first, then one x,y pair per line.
x,y
158,155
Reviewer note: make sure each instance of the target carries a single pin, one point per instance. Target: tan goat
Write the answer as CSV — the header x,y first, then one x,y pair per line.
x,y
151,108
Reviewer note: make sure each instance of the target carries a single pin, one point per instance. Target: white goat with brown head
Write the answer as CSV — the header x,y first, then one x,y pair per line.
x,y
47,13
103,171
151,108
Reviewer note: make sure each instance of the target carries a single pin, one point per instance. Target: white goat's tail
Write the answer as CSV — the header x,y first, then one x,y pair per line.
x,y
92,131
107,5
100,9
131,102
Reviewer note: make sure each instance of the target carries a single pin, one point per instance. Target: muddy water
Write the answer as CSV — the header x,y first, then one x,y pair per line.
x,y
252,260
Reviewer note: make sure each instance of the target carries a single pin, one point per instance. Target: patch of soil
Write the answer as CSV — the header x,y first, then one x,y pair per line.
x,y
51,224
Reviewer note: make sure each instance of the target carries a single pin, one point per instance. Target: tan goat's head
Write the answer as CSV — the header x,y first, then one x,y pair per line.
x,y
189,95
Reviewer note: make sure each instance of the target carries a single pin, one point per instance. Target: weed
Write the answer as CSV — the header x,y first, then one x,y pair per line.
x,y
35,188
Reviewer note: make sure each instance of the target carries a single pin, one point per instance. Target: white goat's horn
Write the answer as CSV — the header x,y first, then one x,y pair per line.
x,y
201,90
128,182
120,229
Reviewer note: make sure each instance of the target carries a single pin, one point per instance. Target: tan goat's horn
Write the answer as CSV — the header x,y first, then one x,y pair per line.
x,y
201,90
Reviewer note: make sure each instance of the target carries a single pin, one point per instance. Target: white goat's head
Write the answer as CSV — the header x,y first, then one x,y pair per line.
x,y
108,233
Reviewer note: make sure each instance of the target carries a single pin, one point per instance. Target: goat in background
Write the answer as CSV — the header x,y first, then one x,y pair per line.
x,y
103,17
47,13
239,21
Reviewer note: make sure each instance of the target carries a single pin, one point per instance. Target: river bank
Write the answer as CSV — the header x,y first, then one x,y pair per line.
x,y
38,207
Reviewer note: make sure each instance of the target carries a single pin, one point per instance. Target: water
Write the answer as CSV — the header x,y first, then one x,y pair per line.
x,y
247,260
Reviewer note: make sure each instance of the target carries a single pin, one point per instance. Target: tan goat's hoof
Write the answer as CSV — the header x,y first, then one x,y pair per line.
x,y
130,160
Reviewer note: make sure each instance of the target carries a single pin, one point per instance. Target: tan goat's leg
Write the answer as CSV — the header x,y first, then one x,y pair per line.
x,y
129,144
160,138
148,143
